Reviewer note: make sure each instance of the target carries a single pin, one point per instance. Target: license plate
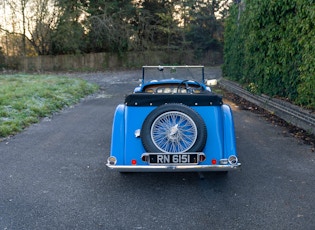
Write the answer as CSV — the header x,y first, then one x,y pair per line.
x,y
173,158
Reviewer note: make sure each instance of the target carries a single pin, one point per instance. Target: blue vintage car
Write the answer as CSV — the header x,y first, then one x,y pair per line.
x,y
172,122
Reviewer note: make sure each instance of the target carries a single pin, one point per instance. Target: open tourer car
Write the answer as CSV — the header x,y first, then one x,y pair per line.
x,y
173,122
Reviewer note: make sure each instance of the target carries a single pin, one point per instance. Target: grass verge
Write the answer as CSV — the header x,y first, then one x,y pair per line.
x,y
24,99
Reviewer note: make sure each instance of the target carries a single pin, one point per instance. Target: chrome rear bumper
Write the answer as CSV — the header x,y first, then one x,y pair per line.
x,y
172,168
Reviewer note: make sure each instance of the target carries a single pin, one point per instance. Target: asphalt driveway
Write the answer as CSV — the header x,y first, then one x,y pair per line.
x,y
53,176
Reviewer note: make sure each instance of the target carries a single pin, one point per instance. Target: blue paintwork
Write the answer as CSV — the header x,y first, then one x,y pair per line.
x,y
220,144
125,146
229,133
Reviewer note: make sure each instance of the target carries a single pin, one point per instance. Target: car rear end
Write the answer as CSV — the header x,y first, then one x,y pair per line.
x,y
162,133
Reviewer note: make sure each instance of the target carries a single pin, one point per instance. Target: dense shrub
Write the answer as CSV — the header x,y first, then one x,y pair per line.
x,y
269,45
306,25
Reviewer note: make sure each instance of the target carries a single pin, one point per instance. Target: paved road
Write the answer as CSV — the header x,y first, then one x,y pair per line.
x,y
53,176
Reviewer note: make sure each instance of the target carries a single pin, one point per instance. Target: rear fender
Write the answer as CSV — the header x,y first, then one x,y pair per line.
x,y
212,116
118,134
229,132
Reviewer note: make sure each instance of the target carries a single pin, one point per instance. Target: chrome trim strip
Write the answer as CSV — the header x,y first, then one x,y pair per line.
x,y
172,168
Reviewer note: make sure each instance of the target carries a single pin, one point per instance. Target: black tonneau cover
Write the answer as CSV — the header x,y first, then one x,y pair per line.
x,y
148,99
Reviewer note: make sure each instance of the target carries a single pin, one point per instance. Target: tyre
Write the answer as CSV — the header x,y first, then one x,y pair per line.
x,y
173,128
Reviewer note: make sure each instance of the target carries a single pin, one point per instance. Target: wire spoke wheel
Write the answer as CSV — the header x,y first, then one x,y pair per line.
x,y
173,132
173,128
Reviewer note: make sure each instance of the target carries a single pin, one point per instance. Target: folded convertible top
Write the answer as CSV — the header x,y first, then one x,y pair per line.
x,y
148,99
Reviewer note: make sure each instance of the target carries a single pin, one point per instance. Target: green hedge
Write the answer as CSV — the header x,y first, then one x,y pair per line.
x,y
270,48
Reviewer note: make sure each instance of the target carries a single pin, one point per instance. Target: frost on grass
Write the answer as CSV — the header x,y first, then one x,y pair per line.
x,y
26,98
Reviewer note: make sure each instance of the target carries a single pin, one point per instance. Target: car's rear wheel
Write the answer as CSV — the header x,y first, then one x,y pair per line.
x,y
173,128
